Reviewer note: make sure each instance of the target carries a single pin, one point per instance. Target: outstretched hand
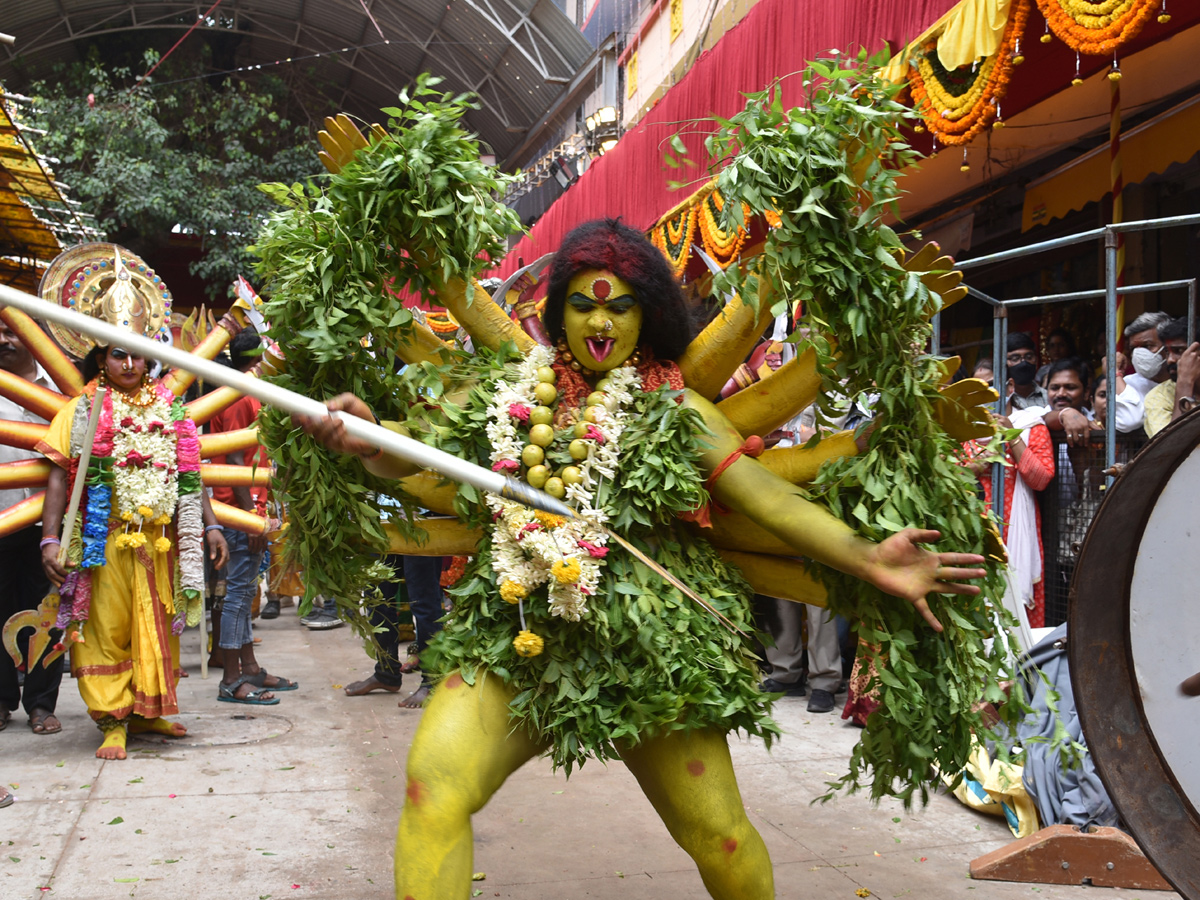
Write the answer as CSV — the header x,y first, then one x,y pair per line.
x,y
330,431
901,567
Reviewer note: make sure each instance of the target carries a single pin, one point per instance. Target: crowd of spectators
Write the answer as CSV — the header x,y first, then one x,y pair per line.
x,y
1055,416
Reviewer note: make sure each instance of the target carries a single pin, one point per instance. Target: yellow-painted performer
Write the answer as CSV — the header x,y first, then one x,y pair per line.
x,y
563,645
134,571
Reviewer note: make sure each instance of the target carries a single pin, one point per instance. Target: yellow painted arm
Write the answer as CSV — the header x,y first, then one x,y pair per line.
x,y
432,491
481,317
24,473
56,363
774,576
226,442
38,400
727,340
447,537
238,519
202,409
800,465
772,401
752,489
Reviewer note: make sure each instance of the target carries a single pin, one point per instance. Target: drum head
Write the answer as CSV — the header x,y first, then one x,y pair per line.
x,y
1134,639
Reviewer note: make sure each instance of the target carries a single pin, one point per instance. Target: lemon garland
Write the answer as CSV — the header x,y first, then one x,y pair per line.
x,y
531,548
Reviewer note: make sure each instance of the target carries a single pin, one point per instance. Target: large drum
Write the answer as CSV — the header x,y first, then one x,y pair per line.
x,y
1134,644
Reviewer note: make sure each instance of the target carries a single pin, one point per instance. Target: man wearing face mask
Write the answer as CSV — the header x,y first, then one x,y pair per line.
x,y
1021,360
1175,396
1145,348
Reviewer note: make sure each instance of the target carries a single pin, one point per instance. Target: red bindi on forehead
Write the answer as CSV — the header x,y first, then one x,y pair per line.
x,y
602,288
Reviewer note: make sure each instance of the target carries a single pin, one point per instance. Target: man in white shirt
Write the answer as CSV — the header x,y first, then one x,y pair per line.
x,y
23,583
1145,351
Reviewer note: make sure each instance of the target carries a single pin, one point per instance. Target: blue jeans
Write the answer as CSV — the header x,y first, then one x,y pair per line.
x,y
241,581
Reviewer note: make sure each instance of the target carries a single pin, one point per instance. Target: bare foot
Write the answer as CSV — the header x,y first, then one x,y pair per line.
x,y
368,684
416,699
158,725
114,744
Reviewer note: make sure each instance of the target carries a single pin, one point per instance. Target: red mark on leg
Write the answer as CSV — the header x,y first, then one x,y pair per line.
x,y
695,768
730,845
455,680
409,897
416,792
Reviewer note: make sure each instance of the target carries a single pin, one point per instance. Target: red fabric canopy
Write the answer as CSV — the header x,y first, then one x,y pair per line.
x,y
775,39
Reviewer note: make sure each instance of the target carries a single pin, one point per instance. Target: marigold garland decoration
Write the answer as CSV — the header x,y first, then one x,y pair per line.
x,y
674,237
724,247
957,106
1097,28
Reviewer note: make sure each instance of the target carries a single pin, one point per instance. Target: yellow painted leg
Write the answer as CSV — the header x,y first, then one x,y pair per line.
x,y
462,752
690,782
113,746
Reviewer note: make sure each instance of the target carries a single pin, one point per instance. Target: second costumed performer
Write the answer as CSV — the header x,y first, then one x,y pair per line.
x,y
134,572
562,644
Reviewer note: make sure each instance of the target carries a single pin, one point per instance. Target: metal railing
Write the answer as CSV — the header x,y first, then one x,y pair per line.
x,y
1110,292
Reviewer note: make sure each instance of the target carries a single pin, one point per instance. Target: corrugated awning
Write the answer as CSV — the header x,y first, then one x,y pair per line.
x,y
1173,137
23,178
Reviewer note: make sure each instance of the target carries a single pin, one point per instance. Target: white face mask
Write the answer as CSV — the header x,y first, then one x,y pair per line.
x,y
1147,363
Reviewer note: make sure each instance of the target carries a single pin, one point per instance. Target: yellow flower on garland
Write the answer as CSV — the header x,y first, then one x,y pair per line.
x,y
513,592
566,571
145,512
164,519
162,544
528,644
549,520
127,516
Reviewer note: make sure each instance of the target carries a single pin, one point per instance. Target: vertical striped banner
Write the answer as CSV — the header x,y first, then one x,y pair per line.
x,y
1118,185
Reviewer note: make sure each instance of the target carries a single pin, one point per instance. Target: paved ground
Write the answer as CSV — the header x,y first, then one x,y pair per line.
x,y
300,801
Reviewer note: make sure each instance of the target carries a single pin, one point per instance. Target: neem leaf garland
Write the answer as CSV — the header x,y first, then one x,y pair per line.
x,y
830,170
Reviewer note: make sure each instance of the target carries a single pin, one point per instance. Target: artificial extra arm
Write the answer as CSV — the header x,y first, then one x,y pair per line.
x,y
897,566
776,505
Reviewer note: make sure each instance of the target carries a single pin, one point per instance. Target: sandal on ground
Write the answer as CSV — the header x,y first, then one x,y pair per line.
x,y
260,680
6,797
5,716
43,721
227,693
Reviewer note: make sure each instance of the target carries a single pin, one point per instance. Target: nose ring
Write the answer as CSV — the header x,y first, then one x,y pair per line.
x,y
608,326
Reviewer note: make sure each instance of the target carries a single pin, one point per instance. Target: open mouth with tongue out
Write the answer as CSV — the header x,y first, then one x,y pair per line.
x,y
599,347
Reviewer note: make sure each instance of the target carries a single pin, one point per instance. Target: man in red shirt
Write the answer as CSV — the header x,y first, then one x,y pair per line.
x,y
243,681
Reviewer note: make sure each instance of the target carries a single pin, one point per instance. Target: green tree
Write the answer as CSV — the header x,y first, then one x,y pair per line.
x,y
188,152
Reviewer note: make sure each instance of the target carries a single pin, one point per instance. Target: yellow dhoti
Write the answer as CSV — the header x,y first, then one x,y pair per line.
x,y
128,661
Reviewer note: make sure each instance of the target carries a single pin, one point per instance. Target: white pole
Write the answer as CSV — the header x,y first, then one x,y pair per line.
x,y
272,395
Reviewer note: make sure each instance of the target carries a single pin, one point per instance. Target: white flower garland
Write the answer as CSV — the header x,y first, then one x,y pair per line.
x,y
144,462
531,548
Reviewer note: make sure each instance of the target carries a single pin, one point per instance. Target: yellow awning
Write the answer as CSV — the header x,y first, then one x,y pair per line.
x,y
971,30
23,177
1173,137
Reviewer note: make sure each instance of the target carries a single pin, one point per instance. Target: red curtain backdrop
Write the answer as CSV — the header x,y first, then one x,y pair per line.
x,y
774,40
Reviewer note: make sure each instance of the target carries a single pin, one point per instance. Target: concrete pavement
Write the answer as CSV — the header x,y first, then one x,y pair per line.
x,y
300,801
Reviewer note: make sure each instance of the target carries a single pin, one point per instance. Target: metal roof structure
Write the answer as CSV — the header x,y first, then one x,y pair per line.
x,y
36,216
518,56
